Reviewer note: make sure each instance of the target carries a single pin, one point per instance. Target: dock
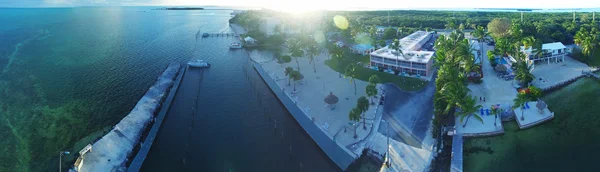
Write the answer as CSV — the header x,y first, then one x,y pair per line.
x,y
216,34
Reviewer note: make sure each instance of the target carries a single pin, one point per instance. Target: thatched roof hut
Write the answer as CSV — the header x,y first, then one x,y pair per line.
x,y
331,99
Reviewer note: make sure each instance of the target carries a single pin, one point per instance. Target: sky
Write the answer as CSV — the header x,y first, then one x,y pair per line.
x,y
299,5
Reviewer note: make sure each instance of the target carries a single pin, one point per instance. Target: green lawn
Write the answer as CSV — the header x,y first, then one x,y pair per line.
x,y
362,73
595,61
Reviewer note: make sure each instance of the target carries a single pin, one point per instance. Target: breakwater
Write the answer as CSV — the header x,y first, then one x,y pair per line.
x,y
341,156
114,150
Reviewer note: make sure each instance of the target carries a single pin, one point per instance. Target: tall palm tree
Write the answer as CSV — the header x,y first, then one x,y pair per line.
x,y
494,111
371,91
363,105
523,70
397,47
296,76
288,72
295,48
520,101
313,51
351,72
481,36
354,115
468,108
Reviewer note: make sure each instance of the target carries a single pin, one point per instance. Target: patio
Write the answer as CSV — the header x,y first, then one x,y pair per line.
x,y
532,115
547,75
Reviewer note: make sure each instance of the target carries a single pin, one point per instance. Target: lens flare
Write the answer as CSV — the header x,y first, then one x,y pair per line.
x,y
341,22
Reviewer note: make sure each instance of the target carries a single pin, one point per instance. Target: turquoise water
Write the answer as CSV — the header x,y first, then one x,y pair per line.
x,y
69,73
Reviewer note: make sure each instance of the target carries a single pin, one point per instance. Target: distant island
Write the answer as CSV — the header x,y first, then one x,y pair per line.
x,y
180,8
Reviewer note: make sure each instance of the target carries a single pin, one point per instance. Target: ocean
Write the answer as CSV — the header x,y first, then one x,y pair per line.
x,y
69,74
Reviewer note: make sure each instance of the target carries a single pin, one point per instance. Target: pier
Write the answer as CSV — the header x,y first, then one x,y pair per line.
x,y
217,34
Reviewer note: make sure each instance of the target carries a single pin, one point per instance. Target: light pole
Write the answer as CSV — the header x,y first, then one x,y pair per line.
x,y
60,159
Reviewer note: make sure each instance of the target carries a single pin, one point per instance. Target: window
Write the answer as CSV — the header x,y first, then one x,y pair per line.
x,y
404,63
375,58
390,61
419,65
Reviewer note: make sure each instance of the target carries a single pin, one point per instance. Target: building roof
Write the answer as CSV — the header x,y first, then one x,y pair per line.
x,y
362,47
412,56
553,46
410,41
549,46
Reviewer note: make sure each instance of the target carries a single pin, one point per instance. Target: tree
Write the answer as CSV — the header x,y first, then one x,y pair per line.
x,y
354,115
374,79
523,72
288,72
312,51
461,27
451,24
397,48
296,76
494,111
350,72
481,36
468,108
371,90
587,40
499,27
520,101
363,105
283,59
389,33
295,48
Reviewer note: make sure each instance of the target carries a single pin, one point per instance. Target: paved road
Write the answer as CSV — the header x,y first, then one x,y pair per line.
x,y
409,113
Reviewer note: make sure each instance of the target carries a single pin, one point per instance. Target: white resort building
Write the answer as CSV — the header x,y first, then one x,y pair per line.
x,y
413,61
551,52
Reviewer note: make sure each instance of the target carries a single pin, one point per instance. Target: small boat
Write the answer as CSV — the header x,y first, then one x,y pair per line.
x,y
198,63
235,45
205,35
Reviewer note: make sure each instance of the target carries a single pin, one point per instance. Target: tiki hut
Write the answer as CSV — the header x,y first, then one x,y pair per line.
x,y
541,105
331,100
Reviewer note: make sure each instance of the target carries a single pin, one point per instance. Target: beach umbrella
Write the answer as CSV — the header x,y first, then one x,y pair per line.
x,y
541,105
331,99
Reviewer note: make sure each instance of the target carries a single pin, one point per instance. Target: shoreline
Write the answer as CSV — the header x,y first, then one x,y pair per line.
x,y
340,155
114,151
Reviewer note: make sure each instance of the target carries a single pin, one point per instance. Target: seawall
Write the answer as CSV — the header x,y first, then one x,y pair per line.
x,y
340,155
137,162
113,150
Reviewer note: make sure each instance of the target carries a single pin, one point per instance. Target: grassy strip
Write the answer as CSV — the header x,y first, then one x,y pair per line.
x,y
362,73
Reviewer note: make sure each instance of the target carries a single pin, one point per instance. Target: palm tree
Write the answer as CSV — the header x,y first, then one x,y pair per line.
x,y
354,115
520,101
363,105
371,90
288,72
481,36
374,79
295,48
495,112
523,72
313,51
468,108
296,76
350,72
397,47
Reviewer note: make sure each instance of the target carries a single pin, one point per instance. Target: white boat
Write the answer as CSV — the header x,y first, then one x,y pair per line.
x,y
198,63
235,45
